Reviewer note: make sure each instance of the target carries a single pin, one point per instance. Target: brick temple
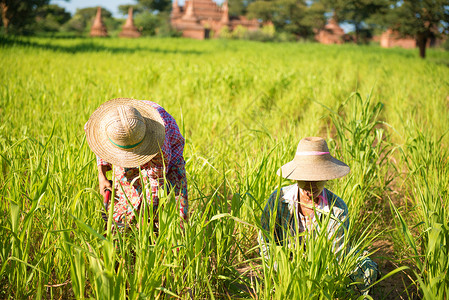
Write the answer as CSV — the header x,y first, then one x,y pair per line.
x,y
203,19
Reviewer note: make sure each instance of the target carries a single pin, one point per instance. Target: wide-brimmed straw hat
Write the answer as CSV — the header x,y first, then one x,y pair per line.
x,y
125,132
313,162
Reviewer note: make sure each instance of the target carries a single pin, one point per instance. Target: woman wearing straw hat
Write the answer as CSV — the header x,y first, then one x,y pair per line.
x,y
307,199
129,135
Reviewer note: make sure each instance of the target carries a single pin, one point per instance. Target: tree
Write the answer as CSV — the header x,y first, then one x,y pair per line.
x,y
356,12
238,7
292,16
17,15
123,9
419,18
262,10
51,18
156,5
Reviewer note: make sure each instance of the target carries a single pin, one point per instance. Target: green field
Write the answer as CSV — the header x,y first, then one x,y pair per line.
x,y
242,107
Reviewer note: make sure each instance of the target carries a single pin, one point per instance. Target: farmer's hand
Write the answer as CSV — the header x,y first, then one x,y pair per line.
x,y
104,185
103,181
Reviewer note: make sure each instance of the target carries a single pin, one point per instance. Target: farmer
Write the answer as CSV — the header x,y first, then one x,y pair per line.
x,y
129,135
311,168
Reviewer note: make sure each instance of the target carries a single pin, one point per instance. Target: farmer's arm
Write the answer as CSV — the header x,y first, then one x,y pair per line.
x,y
178,180
103,181
176,175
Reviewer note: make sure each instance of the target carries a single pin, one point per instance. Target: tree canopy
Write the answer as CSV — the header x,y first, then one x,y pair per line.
x,y
50,18
292,16
359,13
18,15
421,19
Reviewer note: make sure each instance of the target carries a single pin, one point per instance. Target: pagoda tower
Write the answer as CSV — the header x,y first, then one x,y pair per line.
x,y
176,10
98,28
189,15
225,17
129,30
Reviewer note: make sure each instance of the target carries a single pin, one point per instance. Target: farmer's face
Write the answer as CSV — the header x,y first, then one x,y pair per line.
x,y
312,188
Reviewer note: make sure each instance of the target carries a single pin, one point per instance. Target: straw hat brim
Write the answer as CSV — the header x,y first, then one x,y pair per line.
x,y
131,158
323,169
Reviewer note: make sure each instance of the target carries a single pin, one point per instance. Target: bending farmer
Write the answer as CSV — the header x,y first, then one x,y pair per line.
x,y
130,134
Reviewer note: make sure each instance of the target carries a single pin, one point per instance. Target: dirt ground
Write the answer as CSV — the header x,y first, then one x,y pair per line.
x,y
398,286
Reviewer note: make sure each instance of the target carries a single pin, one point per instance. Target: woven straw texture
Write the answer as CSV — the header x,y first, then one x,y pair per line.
x,y
313,162
125,132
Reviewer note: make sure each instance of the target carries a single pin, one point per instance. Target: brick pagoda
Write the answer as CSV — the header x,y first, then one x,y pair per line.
x,y
98,28
129,30
203,19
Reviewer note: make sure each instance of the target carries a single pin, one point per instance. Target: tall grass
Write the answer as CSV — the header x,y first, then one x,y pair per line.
x,y
426,236
243,107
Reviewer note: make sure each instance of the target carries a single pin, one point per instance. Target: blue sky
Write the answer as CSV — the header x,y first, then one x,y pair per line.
x,y
111,5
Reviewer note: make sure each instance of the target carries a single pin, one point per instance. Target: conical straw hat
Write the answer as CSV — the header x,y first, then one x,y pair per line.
x,y
125,132
313,162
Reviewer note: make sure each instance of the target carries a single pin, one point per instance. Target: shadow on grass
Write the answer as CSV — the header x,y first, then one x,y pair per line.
x,y
440,61
87,45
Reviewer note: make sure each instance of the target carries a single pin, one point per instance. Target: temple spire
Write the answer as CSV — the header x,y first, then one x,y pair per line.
x,y
225,15
98,28
176,11
129,29
189,15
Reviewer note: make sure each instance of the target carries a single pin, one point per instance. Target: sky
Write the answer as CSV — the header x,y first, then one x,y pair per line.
x,y
111,5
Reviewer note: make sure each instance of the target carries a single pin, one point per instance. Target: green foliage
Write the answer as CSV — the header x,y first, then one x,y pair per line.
x,y
428,184
362,14
239,32
156,5
263,10
164,28
265,34
17,16
294,17
123,9
59,14
225,33
146,22
361,138
238,7
446,45
49,18
422,19
415,17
